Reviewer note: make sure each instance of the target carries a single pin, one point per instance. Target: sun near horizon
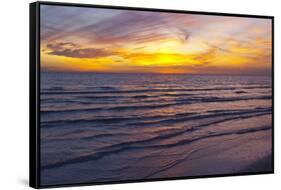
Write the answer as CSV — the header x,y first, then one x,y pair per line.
x,y
79,39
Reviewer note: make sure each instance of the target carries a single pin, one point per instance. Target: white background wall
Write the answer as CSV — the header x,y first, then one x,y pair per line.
x,y
14,81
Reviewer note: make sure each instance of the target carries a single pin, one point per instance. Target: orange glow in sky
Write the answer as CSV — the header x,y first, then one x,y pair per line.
x,y
79,39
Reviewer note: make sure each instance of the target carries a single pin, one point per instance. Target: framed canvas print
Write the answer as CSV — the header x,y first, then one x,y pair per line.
x,y
120,94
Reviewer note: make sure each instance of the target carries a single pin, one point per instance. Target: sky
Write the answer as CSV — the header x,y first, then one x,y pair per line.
x,y
80,39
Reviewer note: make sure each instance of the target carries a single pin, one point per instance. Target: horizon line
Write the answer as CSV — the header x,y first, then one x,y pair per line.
x,y
155,73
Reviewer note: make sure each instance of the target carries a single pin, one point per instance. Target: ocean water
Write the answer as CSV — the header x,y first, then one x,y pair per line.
x,y
112,127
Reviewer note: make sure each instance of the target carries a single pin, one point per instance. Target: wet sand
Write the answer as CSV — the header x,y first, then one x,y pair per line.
x,y
263,164
244,154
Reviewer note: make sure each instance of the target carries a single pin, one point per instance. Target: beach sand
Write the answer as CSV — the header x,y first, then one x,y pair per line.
x,y
247,153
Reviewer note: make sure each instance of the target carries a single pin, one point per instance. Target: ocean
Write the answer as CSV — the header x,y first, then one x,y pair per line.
x,y
113,127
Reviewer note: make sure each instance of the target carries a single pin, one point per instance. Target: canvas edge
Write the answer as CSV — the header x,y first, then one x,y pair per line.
x,y
34,139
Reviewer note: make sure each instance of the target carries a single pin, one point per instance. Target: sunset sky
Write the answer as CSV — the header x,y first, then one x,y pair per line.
x,y
79,39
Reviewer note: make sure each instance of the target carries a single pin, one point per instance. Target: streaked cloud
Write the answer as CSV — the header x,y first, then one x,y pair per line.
x,y
107,40
69,49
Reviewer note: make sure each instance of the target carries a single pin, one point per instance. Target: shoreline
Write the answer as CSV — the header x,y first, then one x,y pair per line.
x,y
250,153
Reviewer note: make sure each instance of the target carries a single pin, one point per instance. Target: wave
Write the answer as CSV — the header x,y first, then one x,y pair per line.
x,y
191,100
96,136
136,146
146,143
88,99
203,116
189,129
107,87
219,99
154,90
114,120
161,119
240,92
54,88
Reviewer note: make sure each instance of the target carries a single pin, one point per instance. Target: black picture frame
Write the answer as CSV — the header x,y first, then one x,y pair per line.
x,y
34,91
